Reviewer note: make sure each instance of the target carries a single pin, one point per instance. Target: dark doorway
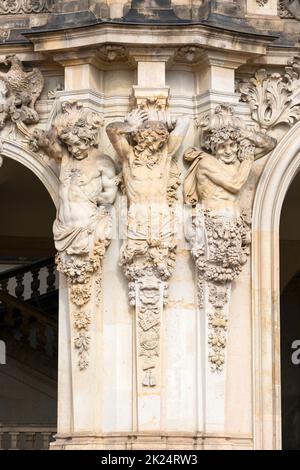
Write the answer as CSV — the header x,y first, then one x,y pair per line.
x,y
290,317
28,311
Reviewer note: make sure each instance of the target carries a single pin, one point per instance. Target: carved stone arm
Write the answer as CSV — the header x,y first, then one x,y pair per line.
x,y
177,135
117,133
215,173
48,142
263,143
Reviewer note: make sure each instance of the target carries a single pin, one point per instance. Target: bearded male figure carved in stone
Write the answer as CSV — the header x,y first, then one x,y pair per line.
x,y
220,238
82,226
146,149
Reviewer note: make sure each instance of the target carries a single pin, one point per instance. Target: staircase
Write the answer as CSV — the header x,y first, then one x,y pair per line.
x,y
28,326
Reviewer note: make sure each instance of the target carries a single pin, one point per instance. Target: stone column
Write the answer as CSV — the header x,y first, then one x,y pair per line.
x,y
215,78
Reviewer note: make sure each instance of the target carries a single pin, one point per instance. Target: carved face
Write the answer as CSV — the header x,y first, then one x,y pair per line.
x,y
227,151
77,146
152,136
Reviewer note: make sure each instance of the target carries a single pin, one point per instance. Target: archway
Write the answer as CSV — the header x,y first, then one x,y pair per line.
x,y
279,172
28,300
290,317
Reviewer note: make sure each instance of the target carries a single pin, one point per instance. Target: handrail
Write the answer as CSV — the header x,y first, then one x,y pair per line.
x,y
27,309
24,269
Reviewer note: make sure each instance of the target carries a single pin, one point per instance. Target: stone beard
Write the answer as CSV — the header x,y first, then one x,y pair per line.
x,y
220,238
151,177
82,226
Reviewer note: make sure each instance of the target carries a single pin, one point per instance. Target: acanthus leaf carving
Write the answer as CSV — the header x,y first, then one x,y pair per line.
x,y
273,98
82,228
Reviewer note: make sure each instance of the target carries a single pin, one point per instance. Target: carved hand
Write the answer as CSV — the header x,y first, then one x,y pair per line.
x,y
39,139
136,118
247,150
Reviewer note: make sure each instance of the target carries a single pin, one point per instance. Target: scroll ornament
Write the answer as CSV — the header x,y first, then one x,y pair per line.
x,y
273,98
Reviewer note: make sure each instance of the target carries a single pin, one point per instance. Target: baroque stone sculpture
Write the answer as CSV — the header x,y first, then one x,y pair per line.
x,y
273,98
82,226
19,91
146,144
220,235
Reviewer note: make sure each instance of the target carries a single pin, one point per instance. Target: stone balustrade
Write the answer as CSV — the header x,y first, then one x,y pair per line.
x,y
31,281
26,437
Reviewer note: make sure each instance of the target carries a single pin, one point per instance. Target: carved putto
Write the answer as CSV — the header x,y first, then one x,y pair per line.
x,y
19,91
273,98
220,235
83,222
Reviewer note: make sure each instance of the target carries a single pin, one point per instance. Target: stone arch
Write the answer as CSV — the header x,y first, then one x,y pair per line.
x,y
34,163
281,168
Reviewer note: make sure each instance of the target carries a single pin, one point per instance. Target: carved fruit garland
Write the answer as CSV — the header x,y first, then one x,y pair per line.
x,y
219,260
79,272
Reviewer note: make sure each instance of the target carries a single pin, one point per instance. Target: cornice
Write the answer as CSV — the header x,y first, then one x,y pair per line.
x,y
149,35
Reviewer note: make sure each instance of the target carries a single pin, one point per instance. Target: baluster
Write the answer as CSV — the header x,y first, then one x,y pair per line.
x,y
41,338
19,290
13,440
51,278
4,285
46,440
35,283
29,440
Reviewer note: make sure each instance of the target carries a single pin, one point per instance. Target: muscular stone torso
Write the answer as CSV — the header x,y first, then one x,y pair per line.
x,y
147,184
80,184
213,195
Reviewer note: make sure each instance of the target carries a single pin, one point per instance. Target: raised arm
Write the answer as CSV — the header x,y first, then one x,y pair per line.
x,y
177,135
211,168
263,143
119,131
48,142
